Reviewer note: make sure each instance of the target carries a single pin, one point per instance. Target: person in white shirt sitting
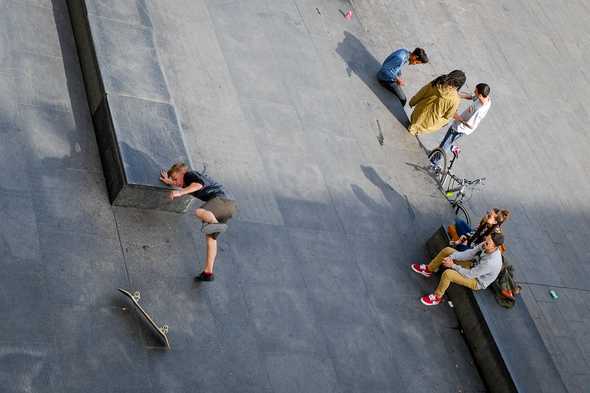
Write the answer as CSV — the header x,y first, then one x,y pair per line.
x,y
475,268
467,122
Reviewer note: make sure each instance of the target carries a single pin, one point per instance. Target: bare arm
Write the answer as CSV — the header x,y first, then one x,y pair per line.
x,y
465,96
460,119
186,190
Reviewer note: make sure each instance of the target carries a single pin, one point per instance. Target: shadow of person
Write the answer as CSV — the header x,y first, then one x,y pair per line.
x,y
398,216
362,63
397,201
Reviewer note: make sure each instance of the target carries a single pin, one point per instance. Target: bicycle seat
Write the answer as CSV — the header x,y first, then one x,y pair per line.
x,y
455,149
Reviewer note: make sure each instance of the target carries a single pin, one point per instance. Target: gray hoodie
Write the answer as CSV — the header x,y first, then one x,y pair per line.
x,y
485,269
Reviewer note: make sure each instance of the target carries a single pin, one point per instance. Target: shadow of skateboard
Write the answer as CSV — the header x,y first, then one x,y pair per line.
x,y
160,332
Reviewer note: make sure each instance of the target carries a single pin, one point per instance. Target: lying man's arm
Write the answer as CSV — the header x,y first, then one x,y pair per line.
x,y
186,190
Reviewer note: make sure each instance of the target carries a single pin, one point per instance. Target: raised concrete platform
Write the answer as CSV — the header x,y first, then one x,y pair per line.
x,y
136,124
313,292
506,346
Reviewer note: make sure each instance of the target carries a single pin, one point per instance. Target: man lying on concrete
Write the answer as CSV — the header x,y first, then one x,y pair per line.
x,y
475,268
214,213
390,74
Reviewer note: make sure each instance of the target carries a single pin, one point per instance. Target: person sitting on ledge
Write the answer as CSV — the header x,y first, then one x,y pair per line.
x,y
214,213
491,222
475,268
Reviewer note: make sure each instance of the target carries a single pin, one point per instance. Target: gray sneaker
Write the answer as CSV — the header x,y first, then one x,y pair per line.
x,y
209,229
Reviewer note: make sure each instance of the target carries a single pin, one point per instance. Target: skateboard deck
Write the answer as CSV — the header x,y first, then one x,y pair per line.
x,y
161,332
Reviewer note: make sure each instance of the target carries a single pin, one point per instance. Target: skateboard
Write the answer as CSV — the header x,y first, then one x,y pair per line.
x,y
159,331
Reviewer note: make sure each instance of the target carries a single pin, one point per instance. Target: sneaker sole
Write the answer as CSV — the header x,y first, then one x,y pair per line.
x,y
214,228
429,304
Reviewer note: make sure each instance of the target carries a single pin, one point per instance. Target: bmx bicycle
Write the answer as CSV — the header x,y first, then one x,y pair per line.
x,y
455,189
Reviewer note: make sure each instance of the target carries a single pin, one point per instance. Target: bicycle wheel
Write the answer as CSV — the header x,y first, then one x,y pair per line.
x,y
462,213
438,161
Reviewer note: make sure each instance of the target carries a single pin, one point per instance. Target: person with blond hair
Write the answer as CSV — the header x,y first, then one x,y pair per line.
x,y
214,213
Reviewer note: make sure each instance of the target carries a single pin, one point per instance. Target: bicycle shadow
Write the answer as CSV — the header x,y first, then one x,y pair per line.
x,y
426,170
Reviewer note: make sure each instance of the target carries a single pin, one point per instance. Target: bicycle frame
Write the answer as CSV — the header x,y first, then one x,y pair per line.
x,y
453,188
459,191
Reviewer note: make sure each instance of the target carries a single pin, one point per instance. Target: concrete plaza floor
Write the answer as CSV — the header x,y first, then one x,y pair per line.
x,y
313,292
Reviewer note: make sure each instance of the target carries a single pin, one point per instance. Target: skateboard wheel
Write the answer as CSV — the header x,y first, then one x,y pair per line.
x,y
136,296
164,329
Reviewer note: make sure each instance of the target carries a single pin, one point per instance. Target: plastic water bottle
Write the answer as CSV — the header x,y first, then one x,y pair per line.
x,y
553,294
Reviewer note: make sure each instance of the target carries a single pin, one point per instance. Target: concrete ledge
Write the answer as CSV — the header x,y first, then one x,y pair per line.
x,y
505,344
136,125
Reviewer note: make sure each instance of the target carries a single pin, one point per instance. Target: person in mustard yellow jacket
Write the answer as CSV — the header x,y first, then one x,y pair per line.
x,y
436,103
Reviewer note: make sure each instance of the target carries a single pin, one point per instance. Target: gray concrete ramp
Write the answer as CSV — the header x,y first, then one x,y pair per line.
x,y
313,291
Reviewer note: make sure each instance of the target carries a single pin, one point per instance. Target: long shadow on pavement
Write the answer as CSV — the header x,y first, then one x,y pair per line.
x,y
400,213
360,61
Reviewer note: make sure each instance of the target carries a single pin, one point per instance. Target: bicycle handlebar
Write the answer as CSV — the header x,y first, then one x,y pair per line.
x,y
467,181
475,181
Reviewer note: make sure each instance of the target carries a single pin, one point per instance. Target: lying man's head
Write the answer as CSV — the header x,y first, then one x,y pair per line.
x,y
176,173
493,241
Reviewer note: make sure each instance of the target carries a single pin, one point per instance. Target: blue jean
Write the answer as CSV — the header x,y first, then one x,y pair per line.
x,y
462,229
395,89
451,136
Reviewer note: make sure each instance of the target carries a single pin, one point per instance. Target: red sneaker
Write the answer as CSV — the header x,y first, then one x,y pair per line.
x,y
431,300
421,269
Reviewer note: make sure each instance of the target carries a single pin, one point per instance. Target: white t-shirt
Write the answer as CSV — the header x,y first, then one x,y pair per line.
x,y
472,116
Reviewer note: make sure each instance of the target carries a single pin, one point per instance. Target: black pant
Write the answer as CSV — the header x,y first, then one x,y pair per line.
x,y
395,89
